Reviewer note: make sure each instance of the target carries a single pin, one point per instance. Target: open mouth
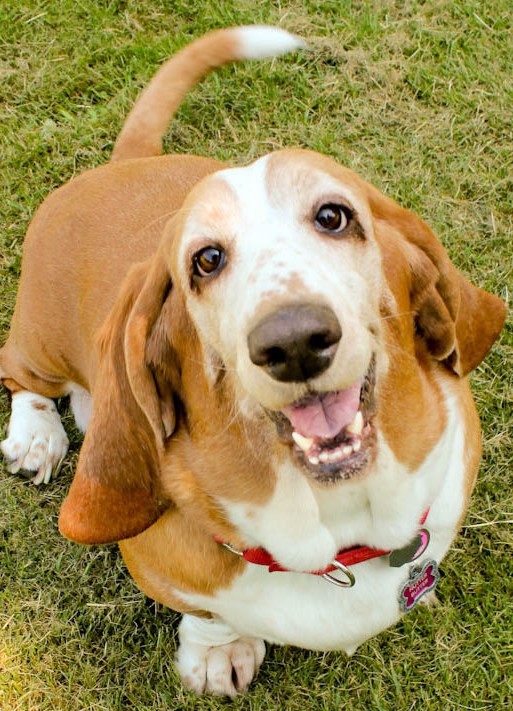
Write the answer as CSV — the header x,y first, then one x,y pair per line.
x,y
331,433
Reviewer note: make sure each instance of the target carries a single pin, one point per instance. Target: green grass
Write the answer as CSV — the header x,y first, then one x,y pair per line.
x,y
415,96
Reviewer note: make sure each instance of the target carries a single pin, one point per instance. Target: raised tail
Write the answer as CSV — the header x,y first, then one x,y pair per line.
x,y
147,122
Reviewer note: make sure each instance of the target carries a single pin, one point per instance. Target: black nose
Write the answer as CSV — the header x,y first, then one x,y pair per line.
x,y
297,343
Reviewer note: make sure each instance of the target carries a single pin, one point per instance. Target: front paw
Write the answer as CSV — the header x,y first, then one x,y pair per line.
x,y
222,671
36,440
207,666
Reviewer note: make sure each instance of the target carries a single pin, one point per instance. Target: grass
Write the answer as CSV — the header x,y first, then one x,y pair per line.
x,y
415,96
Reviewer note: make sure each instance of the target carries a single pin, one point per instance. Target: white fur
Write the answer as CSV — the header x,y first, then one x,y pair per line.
x,y
289,525
307,611
36,440
81,405
213,658
262,42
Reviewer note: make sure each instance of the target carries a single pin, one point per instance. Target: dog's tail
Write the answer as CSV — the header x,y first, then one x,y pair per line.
x,y
141,135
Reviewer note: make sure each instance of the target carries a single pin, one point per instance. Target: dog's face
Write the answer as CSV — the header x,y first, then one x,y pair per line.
x,y
292,305
282,276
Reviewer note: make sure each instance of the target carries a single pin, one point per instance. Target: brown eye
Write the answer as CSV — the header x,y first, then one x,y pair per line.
x,y
332,218
208,260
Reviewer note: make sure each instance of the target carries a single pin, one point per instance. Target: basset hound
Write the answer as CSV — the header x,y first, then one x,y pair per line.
x,y
270,366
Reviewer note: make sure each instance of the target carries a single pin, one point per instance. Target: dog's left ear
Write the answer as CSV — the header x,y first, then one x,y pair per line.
x,y
116,490
458,321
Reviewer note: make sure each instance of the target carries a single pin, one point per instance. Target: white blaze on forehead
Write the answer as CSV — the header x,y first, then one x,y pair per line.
x,y
249,186
277,248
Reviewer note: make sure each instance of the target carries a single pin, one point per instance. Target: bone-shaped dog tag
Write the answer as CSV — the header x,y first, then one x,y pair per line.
x,y
421,580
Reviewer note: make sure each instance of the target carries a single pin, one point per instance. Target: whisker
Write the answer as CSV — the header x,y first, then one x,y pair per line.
x,y
398,315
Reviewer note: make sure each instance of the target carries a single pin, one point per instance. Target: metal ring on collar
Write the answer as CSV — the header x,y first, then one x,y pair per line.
x,y
350,579
231,549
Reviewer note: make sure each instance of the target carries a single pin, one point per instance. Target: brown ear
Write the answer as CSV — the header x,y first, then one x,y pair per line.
x,y
481,316
115,493
458,321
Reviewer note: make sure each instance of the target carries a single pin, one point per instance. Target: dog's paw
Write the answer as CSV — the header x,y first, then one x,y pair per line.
x,y
220,669
36,440
224,671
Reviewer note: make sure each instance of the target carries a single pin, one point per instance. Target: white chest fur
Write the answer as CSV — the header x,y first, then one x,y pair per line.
x,y
382,511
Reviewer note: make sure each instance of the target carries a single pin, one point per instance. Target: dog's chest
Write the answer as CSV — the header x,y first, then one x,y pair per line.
x,y
309,611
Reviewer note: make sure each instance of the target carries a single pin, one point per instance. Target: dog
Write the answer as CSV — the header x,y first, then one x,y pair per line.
x,y
270,367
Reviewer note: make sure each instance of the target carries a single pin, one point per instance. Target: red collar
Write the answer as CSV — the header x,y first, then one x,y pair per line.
x,y
344,559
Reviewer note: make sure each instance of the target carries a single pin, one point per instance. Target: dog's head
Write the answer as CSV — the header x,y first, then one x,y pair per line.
x,y
288,299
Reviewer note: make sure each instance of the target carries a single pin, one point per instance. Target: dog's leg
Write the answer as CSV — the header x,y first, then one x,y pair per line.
x,y
36,440
212,658
81,406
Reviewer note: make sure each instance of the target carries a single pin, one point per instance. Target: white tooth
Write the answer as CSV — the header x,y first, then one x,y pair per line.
x,y
303,443
324,456
313,460
357,444
336,455
347,450
356,425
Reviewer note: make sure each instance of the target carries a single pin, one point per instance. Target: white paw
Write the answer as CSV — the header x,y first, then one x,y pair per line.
x,y
36,440
223,670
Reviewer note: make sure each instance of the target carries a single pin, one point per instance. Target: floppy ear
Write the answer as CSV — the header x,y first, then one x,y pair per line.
x,y
458,321
480,318
115,493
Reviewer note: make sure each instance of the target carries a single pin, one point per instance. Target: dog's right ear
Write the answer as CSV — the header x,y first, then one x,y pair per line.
x,y
116,490
457,321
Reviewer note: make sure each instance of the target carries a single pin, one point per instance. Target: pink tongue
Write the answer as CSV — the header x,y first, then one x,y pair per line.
x,y
326,415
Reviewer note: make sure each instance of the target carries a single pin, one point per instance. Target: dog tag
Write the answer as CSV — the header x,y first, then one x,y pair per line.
x,y
410,552
421,581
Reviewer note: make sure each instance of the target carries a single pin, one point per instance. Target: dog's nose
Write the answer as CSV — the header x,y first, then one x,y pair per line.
x,y
296,343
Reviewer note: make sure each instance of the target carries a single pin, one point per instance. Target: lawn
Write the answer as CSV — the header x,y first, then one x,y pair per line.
x,y
415,96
